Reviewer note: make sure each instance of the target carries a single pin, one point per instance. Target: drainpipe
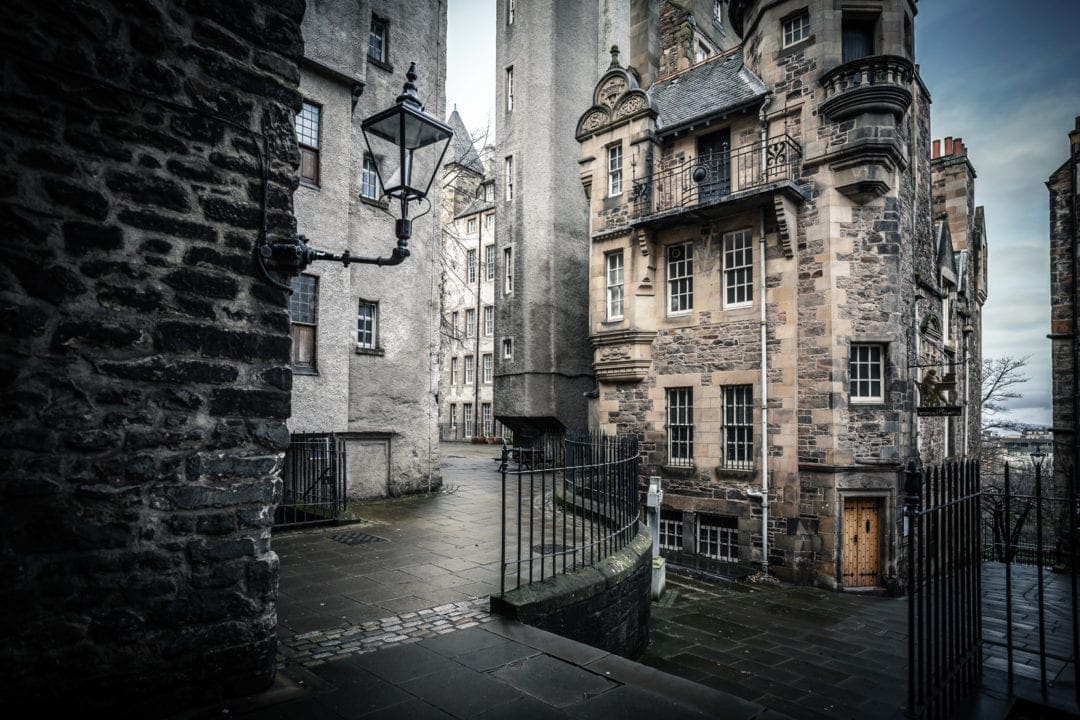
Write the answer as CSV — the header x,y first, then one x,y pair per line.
x,y
478,369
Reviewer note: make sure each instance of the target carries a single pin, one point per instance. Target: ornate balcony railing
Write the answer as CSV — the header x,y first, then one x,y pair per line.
x,y
872,84
710,178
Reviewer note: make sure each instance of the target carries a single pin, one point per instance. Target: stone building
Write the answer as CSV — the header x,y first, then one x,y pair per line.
x,y
468,292
1064,187
145,361
774,294
545,65
365,337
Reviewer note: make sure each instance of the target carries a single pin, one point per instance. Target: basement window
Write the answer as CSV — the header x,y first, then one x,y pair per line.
x,y
718,537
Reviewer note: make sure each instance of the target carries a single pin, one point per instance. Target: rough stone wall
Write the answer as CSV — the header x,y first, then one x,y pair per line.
x,y
143,363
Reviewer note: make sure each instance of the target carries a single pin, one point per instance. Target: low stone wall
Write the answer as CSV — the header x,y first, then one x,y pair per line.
x,y
605,605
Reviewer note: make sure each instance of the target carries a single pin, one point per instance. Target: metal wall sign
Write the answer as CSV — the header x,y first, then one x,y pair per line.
x,y
937,395
939,411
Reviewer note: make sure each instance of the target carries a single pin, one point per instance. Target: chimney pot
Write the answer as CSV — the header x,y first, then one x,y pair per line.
x,y
958,147
948,145
937,149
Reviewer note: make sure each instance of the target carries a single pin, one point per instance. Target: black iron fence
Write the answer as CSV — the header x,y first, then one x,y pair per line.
x,y
568,501
944,555
313,481
685,182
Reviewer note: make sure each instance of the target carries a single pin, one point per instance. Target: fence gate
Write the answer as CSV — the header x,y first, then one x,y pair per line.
x,y
314,481
944,552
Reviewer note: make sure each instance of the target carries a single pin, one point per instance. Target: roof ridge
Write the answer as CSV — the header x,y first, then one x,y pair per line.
x,y
712,58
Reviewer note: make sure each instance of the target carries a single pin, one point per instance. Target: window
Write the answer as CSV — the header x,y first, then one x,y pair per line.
x,y
469,362
508,349
865,372
307,137
796,29
453,371
302,304
470,322
508,271
718,537
680,426
487,368
378,49
718,12
738,268
509,89
471,226
857,37
486,428
702,52
947,318
614,285
509,169
366,318
489,196
509,12
489,260
739,427
614,167
453,421
489,321
369,178
467,419
671,530
470,266
680,272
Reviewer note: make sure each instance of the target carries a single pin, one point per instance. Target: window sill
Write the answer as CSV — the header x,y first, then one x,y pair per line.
x,y
304,371
381,204
614,321
795,46
308,184
370,351
741,473
680,470
380,64
868,404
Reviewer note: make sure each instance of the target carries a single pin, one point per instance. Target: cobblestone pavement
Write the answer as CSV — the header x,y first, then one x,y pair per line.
x,y
801,651
432,566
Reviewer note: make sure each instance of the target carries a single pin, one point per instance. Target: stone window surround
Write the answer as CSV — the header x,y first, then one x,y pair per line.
x,y
885,345
744,439
789,26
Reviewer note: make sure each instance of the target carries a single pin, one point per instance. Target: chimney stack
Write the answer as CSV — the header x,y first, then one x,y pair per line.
x,y
1074,136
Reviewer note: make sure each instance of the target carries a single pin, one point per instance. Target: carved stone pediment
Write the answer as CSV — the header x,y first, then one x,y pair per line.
x,y
622,355
616,98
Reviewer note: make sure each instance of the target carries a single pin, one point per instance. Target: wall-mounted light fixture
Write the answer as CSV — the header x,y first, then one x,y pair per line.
x,y
408,146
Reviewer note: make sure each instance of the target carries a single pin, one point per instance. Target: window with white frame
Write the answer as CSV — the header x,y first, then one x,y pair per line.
x,y
508,270
489,196
947,318
467,418
680,426
489,321
796,28
509,89
453,371
307,138
369,179
486,427
470,322
614,170
738,428
367,315
702,52
489,261
509,12
453,421
738,268
454,324
470,226
470,266
614,262
487,368
718,537
718,12
866,371
508,170
671,530
680,274
470,369
507,349
378,42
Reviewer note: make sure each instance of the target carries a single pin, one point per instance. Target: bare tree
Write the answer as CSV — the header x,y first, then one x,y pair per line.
x,y
1000,381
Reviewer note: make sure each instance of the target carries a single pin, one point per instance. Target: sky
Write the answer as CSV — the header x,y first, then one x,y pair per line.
x,y
1003,74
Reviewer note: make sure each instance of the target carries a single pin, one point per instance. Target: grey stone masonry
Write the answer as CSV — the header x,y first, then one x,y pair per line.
x,y
143,362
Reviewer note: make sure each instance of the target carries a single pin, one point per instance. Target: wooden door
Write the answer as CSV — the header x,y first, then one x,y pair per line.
x,y
862,542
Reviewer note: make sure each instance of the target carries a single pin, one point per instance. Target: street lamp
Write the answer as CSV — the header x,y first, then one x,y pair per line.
x,y
1038,456
407,146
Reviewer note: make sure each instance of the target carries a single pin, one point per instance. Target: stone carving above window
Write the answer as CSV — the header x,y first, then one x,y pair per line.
x,y
931,326
616,99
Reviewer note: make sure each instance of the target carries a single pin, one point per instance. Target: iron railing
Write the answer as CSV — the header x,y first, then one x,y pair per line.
x,y
683,182
313,476
568,501
944,555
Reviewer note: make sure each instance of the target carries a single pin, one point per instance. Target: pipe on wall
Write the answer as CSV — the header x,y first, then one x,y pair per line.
x,y
764,356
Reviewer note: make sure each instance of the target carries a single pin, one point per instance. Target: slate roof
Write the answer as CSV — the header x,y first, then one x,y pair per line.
x,y
461,150
478,205
715,86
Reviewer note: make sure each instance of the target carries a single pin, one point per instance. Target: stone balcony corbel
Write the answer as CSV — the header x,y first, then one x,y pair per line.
x,y
622,355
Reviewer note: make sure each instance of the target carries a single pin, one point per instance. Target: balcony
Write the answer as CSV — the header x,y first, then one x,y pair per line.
x,y
715,180
877,84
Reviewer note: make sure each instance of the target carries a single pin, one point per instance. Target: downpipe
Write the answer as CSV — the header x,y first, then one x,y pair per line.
x,y
763,496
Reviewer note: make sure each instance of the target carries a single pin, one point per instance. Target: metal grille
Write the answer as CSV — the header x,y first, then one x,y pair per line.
x,y
718,537
671,530
680,428
356,538
313,481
